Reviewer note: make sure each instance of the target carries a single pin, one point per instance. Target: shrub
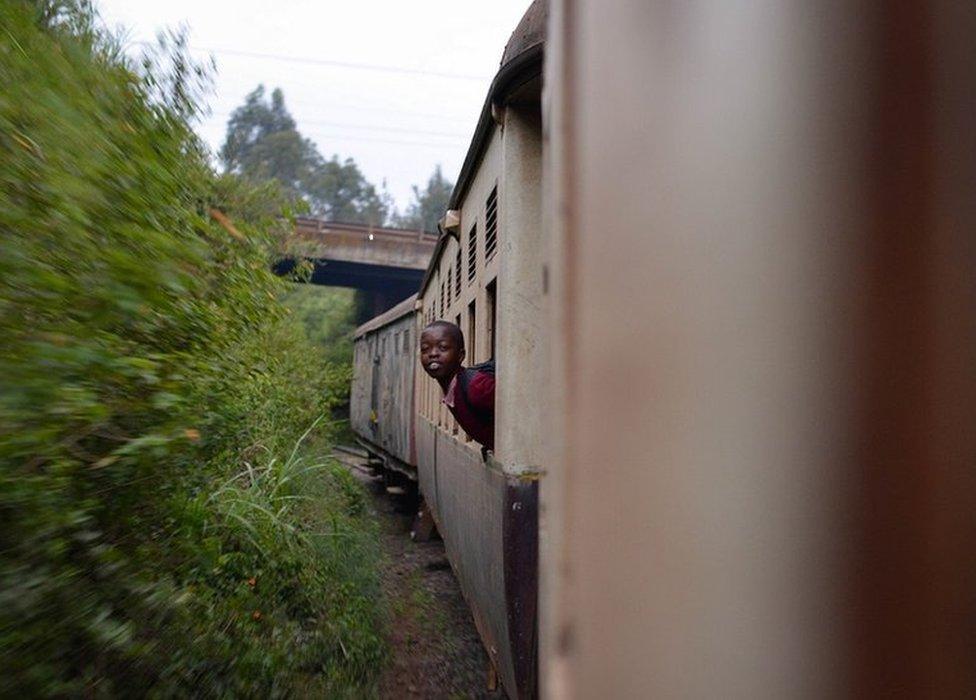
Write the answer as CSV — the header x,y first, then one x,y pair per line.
x,y
147,360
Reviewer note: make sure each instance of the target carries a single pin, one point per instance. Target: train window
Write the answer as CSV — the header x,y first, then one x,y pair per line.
x,y
490,298
406,342
472,252
457,273
471,340
491,223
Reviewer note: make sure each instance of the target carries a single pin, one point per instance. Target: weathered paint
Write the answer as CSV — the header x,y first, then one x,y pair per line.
x,y
762,481
381,400
521,300
488,513
487,520
520,534
487,516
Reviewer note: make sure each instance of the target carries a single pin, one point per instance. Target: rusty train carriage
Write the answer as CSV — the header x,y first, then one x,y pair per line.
x,y
382,394
487,512
485,276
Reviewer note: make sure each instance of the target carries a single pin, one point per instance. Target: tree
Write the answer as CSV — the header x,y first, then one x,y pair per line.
x,y
263,143
429,205
339,191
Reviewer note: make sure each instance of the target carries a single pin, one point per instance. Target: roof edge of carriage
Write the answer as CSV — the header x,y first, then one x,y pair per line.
x,y
521,61
387,317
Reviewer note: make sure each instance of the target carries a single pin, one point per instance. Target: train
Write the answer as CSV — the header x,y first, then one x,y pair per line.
x,y
722,254
485,510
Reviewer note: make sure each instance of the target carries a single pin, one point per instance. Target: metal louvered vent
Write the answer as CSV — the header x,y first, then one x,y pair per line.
x,y
450,285
457,274
491,223
472,252
441,314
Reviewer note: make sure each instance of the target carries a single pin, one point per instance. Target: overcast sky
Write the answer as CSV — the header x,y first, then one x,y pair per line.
x,y
433,61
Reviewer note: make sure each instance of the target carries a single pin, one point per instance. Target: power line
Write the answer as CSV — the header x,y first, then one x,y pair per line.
x,y
345,105
399,142
363,107
370,108
427,144
340,64
369,127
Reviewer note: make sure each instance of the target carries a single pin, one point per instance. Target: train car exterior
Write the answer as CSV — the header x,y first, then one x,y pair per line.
x,y
382,395
763,304
739,341
486,275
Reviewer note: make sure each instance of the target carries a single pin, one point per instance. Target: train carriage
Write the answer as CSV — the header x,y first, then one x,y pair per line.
x,y
749,314
486,275
381,407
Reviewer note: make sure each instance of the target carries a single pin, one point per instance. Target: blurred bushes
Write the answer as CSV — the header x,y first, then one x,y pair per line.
x,y
328,315
161,531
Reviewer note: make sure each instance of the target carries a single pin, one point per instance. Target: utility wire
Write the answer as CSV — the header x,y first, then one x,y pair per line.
x,y
340,64
400,142
364,107
341,105
368,127
427,144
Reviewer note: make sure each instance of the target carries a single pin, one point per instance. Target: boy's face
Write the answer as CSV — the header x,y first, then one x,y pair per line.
x,y
440,353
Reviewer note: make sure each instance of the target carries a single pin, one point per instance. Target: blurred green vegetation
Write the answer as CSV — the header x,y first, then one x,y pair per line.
x,y
167,529
328,317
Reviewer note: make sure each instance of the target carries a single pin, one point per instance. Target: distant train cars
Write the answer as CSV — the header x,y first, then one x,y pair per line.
x,y
381,407
734,354
487,276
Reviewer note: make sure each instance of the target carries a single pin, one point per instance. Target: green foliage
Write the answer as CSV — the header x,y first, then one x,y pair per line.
x,y
263,143
429,204
250,125
162,533
328,317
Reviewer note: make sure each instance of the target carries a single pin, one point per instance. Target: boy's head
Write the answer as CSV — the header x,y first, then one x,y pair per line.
x,y
441,350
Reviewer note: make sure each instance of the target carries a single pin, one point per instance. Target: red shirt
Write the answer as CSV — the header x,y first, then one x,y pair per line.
x,y
475,411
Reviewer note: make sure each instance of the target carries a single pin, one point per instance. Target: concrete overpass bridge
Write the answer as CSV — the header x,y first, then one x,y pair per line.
x,y
386,264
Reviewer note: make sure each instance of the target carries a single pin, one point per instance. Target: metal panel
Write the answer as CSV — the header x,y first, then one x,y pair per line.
x,y
362,386
426,465
488,522
382,403
470,502
762,477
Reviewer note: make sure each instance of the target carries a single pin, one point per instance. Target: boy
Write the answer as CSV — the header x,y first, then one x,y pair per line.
x,y
469,393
